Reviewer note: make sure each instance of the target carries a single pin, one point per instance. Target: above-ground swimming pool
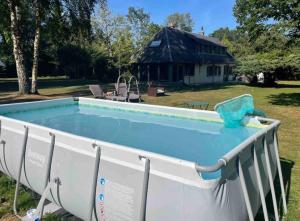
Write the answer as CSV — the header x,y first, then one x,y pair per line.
x,y
123,161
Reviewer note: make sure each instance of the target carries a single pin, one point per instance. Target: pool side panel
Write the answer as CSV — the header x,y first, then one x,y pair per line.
x,y
72,162
25,106
165,110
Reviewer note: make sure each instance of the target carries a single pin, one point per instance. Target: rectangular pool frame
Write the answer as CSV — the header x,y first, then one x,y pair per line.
x,y
261,150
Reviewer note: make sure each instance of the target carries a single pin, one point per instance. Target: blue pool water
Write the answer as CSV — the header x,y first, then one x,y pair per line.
x,y
188,139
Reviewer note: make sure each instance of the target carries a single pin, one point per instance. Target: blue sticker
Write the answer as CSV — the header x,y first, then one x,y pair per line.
x,y
101,197
102,181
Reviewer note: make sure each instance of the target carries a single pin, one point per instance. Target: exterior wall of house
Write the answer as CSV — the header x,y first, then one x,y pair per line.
x,y
201,77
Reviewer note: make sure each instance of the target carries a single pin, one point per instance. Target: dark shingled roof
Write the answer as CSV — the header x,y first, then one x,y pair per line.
x,y
181,47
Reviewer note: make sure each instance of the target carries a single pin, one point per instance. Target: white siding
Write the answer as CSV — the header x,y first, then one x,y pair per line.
x,y
200,76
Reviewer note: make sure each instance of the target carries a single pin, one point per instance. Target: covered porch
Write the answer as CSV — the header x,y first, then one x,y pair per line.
x,y
171,72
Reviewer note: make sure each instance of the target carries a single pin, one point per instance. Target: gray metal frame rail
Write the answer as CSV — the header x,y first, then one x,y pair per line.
x,y
271,182
252,142
2,144
245,192
95,177
49,163
259,183
279,171
47,178
20,171
145,187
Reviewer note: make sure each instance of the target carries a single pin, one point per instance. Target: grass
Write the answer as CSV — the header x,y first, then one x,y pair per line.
x,y
281,102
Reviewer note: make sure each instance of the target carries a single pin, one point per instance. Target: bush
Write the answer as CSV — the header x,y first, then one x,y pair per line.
x,y
275,64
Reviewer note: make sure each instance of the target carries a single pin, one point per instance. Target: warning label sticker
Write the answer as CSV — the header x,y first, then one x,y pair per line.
x,y
117,201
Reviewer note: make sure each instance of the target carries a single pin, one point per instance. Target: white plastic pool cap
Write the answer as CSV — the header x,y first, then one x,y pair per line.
x,y
31,215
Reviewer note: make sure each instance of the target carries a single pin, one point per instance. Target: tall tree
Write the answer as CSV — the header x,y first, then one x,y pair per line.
x,y
258,16
139,22
182,21
36,43
79,14
106,26
18,49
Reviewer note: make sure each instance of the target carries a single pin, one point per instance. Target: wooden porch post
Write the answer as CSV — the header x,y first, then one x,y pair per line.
x,y
158,72
139,72
170,72
148,73
177,71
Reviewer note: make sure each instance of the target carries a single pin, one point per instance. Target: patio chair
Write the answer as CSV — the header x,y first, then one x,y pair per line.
x,y
133,95
122,91
97,91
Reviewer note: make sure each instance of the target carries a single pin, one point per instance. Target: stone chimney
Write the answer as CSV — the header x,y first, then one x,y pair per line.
x,y
202,31
171,25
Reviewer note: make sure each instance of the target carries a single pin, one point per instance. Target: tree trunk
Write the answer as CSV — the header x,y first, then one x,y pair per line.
x,y
36,47
15,18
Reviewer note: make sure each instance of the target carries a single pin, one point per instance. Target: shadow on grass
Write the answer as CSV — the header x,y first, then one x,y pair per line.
x,y
286,166
28,98
287,85
285,99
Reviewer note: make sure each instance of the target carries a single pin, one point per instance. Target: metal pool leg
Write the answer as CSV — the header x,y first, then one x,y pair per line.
x,y
40,206
245,192
271,179
4,164
145,188
50,156
48,168
259,182
279,172
19,171
95,177
2,143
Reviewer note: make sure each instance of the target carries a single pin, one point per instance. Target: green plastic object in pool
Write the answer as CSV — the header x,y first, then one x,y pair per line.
x,y
234,110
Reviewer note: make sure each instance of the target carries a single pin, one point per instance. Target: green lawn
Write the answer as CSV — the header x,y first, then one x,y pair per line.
x,y
282,102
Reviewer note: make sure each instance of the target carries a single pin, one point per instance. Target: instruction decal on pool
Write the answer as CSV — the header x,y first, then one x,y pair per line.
x,y
115,200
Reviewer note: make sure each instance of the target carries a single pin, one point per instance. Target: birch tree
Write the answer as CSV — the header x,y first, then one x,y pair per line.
x,y
36,46
14,7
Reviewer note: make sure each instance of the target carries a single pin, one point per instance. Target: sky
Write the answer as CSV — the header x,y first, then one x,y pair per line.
x,y
211,14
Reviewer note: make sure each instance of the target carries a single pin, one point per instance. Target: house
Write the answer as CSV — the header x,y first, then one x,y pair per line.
x,y
179,56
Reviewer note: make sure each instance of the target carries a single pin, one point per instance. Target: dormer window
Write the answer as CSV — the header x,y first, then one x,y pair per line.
x,y
155,43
